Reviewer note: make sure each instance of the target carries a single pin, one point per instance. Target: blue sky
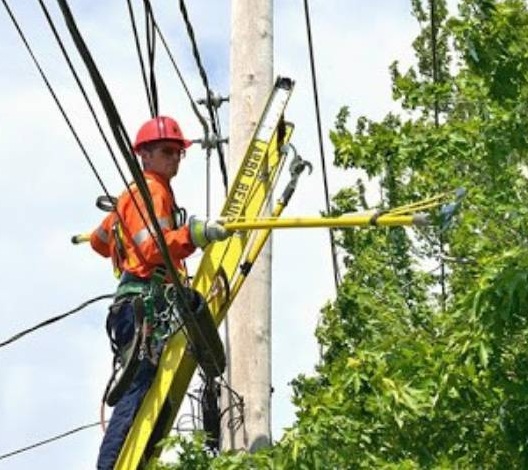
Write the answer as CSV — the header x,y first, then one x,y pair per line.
x,y
52,381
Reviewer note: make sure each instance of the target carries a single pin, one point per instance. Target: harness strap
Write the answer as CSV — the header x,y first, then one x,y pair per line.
x,y
131,288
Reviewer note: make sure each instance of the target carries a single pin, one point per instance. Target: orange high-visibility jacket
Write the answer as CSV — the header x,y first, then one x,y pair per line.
x,y
139,254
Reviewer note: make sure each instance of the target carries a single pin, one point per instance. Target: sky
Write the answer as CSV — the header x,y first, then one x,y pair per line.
x,y
52,381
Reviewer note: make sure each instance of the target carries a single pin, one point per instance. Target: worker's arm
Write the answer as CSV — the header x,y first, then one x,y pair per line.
x,y
100,237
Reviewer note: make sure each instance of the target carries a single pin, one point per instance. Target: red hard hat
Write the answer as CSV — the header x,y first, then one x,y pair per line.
x,y
160,128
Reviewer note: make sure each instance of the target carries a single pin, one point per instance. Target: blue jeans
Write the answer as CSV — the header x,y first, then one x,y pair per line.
x,y
121,323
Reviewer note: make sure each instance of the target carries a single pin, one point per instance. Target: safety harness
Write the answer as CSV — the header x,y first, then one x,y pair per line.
x,y
155,314
155,318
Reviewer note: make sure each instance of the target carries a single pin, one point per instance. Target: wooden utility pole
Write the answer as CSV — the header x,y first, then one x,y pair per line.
x,y
248,324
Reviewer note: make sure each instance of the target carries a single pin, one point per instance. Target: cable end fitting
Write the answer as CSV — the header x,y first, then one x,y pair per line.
x,y
421,219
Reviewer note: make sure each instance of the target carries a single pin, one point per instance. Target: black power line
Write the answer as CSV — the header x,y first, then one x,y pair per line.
x,y
99,127
434,58
124,144
54,95
49,440
208,94
65,115
56,318
151,55
337,277
202,120
149,93
150,85
153,110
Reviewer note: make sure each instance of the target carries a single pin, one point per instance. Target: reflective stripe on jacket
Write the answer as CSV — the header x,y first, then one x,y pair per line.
x,y
140,249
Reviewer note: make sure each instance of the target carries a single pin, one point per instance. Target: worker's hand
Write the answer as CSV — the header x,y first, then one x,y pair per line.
x,y
204,231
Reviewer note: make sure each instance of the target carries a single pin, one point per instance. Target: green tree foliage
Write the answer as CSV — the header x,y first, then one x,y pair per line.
x,y
426,345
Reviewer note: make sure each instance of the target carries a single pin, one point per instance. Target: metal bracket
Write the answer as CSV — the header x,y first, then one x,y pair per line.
x,y
214,99
210,142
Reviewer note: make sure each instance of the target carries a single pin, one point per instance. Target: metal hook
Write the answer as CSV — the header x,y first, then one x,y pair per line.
x,y
297,166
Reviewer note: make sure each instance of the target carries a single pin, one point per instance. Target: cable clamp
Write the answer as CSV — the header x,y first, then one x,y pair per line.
x,y
210,142
374,219
214,100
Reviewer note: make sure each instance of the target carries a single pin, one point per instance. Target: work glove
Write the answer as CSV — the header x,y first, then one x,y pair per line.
x,y
204,231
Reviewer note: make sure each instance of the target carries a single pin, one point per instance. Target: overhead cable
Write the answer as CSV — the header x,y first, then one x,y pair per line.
x,y
434,54
151,54
49,440
152,103
99,127
208,96
55,319
65,115
337,276
125,146
198,114
195,109
201,119
54,96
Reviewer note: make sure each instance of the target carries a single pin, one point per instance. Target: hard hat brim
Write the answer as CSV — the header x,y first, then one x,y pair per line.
x,y
184,142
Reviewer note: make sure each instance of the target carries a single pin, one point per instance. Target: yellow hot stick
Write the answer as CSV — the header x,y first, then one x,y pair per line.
x,y
81,238
359,220
433,201
415,208
273,222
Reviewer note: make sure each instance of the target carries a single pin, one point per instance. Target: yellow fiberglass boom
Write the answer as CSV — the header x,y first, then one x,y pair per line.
x,y
217,273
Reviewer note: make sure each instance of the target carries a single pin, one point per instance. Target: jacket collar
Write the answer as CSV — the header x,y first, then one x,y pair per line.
x,y
157,177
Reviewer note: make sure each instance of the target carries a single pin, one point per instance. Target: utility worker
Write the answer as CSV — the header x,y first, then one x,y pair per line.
x,y
125,238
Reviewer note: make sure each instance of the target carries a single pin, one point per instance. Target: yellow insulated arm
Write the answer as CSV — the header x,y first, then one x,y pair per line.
x,y
272,223
353,220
